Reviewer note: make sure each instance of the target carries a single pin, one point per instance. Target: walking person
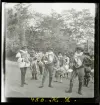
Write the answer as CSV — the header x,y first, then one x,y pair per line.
x,y
23,62
78,70
49,61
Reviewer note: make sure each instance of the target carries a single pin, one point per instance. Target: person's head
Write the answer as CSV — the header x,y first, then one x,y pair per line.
x,y
22,55
59,53
79,49
49,49
24,48
87,53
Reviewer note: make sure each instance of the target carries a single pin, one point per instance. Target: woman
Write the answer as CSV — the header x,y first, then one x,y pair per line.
x,y
66,65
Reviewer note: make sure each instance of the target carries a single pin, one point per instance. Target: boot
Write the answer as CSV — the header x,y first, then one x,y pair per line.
x,y
70,89
32,76
87,82
43,79
36,77
80,88
50,80
84,81
60,79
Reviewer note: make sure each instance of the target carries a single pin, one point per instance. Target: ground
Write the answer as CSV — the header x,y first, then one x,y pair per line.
x,y
13,89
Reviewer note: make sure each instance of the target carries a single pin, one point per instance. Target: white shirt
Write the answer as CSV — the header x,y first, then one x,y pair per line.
x,y
77,58
50,55
21,62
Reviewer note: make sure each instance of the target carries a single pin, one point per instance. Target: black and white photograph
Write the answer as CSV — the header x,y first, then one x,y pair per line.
x,y
49,50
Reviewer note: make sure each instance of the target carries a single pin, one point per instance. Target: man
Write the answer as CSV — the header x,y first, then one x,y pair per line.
x,y
87,68
23,62
78,70
49,61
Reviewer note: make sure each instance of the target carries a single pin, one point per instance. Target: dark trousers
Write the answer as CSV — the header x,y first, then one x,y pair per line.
x,y
34,71
23,72
87,75
40,65
48,68
80,73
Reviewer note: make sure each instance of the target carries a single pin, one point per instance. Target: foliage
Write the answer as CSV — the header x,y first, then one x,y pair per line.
x,y
62,31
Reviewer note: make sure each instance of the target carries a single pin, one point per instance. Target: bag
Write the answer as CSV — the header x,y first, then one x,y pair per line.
x,y
77,62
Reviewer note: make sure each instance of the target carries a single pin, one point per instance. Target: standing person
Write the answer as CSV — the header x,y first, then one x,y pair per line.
x,y
23,62
78,70
60,64
87,68
39,62
60,58
66,64
49,61
33,65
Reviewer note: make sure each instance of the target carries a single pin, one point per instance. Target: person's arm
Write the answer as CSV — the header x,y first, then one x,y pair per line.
x,y
68,60
18,55
20,60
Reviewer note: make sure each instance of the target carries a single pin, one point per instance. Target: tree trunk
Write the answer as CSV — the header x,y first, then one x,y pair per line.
x,y
21,31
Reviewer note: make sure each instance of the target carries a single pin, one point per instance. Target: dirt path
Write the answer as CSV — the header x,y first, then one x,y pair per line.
x,y
13,89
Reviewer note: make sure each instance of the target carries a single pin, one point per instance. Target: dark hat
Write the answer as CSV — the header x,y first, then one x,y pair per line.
x,y
79,48
87,53
24,47
49,48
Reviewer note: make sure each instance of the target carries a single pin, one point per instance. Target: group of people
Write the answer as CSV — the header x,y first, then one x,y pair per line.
x,y
60,65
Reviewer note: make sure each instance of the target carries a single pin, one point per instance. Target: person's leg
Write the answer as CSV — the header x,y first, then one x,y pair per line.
x,y
22,75
36,75
50,69
56,76
84,77
73,76
34,71
61,78
81,79
88,79
67,75
31,68
25,68
44,77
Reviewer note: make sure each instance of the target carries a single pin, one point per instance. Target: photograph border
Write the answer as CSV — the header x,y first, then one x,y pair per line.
x,y
96,74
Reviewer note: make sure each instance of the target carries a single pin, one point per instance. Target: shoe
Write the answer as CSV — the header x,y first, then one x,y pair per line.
x,y
25,83
70,88
32,78
69,91
80,88
80,92
60,81
50,86
21,85
41,86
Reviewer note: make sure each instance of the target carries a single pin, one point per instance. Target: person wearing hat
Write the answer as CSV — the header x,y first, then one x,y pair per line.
x,y
23,63
49,60
87,68
78,70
